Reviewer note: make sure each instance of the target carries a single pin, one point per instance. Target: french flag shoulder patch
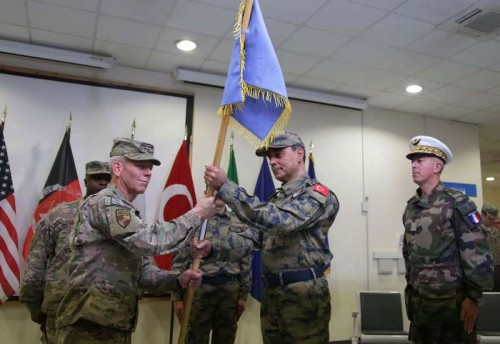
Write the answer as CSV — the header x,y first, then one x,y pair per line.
x,y
474,217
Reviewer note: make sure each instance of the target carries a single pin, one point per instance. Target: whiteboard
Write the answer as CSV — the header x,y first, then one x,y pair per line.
x,y
37,115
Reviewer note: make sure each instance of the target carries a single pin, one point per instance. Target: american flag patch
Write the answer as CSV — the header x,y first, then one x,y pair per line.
x,y
474,217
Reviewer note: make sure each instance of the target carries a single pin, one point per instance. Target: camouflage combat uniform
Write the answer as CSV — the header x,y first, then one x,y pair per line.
x,y
107,267
45,274
447,259
292,229
215,303
493,236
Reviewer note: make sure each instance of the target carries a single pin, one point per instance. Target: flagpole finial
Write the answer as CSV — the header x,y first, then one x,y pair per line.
x,y
185,133
4,116
70,121
232,138
132,135
311,147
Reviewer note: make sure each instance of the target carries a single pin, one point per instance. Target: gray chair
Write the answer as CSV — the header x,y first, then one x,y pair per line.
x,y
488,322
379,318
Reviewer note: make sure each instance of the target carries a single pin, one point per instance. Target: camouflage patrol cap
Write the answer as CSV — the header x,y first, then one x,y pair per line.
x,y
430,146
97,167
133,150
490,209
283,140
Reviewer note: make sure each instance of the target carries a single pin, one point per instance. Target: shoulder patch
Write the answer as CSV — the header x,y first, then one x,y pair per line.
x,y
321,189
123,217
474,217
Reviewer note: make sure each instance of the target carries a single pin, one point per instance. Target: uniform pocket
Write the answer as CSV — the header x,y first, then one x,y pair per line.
x,y
438,282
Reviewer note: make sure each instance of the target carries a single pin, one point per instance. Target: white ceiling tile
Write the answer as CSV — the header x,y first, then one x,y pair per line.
x,y
315,84
62,19
447,71
479,101
345,17
125,54
168,62
126,31
215,67
332,71
495,90
290,78
370,78
296,63
311,42
223,51
61,40
88,5
448,94
399,87
279,31
168,37
397,30
496,67
481,81
387,100
419,105
202,18
480,117
451,112
433,11
151,11
494,108
406,62
383,4
13,12
441,44
229,4
483,54
364,52
356,91
14,32
291,11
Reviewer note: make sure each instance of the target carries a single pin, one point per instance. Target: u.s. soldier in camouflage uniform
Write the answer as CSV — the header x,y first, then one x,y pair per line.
x,y
45,273
448,263
221,298
491,227
291,230
109,241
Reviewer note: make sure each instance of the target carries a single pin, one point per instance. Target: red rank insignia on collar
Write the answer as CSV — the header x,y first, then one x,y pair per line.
x,y
321,189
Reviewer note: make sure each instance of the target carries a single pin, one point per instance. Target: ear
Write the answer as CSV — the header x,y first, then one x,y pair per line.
x,y
300,154
117,168
438,165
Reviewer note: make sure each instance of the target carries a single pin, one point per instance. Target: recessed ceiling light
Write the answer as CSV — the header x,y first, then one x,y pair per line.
x,y
414,89
185,45
490,179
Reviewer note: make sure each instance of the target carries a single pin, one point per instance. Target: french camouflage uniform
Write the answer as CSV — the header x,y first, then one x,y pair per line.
x,y
291,231
493,236
45,274
215,303
447,259
107,266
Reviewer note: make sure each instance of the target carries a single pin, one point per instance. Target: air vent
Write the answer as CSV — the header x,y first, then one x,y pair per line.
x,y
478,23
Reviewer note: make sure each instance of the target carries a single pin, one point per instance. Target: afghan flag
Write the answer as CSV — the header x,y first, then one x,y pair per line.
x,y
61,186
264,189
178,197
255,94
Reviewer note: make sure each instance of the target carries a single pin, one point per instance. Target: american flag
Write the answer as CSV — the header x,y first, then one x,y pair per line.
x,y
9,254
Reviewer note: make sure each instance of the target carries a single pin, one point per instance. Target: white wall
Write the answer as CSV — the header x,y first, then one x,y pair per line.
x,y
357,155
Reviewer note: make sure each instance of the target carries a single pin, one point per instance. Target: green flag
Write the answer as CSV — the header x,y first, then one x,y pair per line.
x,y
232,171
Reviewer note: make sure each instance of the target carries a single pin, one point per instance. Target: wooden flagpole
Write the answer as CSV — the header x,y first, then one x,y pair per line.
x,y
188,301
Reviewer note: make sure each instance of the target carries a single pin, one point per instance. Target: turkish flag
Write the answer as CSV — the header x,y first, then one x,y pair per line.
x,y
177,198
62,186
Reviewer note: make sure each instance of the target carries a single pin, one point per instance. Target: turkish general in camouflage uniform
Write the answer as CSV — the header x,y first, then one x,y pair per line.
x,y
107,268
446,254
290,230
491,227
45,274
224,284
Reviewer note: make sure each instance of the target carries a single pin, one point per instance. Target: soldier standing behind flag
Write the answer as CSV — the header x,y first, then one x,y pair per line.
x,y
448,263
290,229
491,227
108,242
45,272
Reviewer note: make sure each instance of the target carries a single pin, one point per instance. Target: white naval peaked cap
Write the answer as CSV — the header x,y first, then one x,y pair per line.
x,y
429,145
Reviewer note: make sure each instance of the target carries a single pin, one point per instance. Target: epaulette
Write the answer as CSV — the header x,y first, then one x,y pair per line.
x,y
457,195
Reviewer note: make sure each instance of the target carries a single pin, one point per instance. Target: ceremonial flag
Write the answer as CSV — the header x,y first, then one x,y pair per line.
x,y
255,93
178,197
9,254
312,174
264,189
62,186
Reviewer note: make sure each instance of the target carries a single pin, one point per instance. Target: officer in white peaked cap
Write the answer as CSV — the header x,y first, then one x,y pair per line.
x,y
431,146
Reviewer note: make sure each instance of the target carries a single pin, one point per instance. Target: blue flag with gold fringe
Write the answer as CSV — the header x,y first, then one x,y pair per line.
x,y
255,93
